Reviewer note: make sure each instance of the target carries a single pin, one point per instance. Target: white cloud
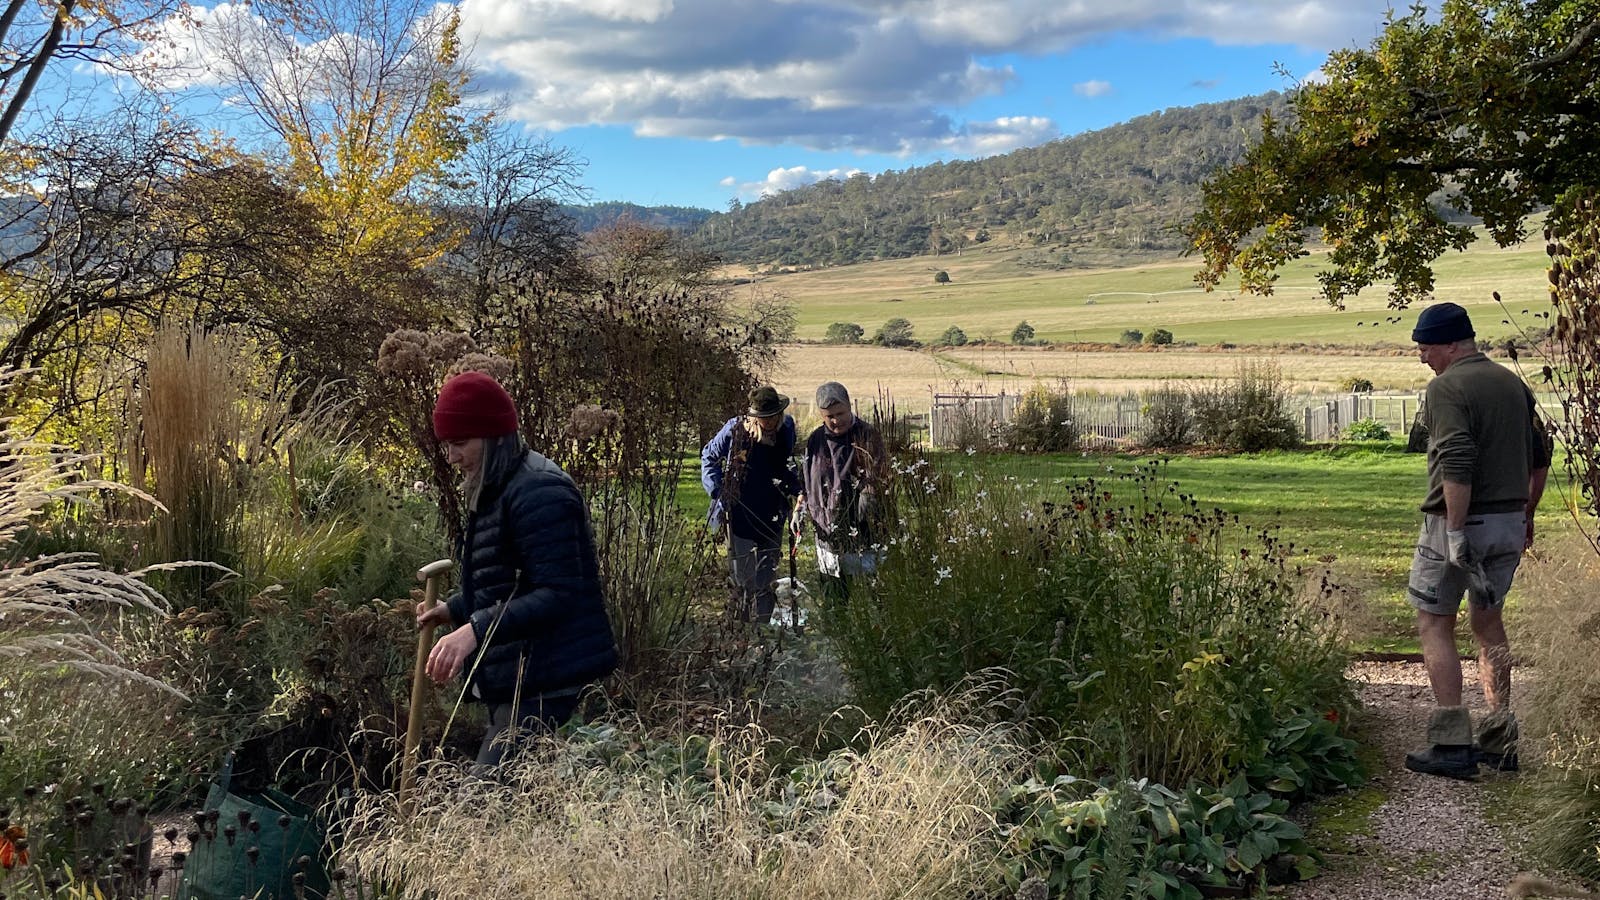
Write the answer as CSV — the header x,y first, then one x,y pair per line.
x,y
993,138
885,76
779,180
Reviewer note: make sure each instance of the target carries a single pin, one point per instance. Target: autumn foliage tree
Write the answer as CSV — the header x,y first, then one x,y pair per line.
x,y
365,99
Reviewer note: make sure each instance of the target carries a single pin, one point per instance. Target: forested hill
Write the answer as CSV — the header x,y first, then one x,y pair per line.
x,y
596,216
1123,187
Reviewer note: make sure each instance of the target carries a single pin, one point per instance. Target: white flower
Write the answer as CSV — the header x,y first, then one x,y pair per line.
x,y
980,495
941,575
971,451
420,487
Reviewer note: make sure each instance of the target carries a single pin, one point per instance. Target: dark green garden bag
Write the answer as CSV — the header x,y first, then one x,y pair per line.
x,y
286,832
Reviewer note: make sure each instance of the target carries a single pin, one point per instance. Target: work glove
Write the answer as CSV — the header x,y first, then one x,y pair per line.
x,y
1461,555
1460,552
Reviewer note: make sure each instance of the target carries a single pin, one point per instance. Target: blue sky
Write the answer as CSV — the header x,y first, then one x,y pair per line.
x,y
1117,78
696,102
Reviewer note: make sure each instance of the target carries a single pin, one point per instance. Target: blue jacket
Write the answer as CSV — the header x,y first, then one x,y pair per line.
x,y
752,485
530,587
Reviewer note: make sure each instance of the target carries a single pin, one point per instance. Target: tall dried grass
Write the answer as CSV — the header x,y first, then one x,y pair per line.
x,y
45,602
1561,712
909,815
199,425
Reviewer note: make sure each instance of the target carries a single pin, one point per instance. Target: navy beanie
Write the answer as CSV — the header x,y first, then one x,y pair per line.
x,y
1442,323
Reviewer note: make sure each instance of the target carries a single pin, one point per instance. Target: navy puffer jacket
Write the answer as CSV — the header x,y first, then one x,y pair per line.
x,y
530,587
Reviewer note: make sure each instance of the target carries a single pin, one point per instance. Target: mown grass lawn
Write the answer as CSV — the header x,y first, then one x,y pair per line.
x,y
1351,508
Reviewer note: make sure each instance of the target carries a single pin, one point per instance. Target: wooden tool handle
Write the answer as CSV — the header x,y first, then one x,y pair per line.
x,y
430,575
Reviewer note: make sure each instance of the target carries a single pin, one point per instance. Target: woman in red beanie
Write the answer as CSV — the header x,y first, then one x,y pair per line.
x,y
530,626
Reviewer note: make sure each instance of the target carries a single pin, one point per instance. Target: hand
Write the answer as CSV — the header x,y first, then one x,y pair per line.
x,y
451,653
1460,552
1527,537
797,518
433,618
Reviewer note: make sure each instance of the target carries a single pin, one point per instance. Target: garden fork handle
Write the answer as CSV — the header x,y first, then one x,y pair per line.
x,y
430,575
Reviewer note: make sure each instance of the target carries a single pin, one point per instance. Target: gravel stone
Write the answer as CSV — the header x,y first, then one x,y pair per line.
x,y
1430,839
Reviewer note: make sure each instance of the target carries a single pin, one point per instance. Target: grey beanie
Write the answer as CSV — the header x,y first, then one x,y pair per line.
x,y
830,393
1442,323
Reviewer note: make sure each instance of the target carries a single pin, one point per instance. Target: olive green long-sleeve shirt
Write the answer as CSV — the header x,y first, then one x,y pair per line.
x,y
1484,431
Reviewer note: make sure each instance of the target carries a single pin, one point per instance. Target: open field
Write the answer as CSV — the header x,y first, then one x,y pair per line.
x,y
912,375
991,291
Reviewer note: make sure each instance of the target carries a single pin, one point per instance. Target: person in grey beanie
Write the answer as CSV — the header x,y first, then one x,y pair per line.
x,y
1488,457
846,473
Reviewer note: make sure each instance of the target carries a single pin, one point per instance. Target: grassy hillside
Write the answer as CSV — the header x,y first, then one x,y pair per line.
x,y
991,290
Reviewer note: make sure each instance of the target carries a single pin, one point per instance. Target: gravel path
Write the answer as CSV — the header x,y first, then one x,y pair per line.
x,y
1429,840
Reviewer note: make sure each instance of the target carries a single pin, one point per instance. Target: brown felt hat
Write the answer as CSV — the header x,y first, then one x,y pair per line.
x,y
766,401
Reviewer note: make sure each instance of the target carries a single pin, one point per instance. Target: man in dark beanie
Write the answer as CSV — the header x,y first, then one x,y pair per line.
x,y
846,473
530,627
748,469
1488,455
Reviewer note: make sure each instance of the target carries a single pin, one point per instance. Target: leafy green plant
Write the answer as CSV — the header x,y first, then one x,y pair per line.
x,y
1246,413
1131,337
1306,757
953,337
1133,618
1168,419
1158,337
1043,421
1022,334
1141,839
1365,430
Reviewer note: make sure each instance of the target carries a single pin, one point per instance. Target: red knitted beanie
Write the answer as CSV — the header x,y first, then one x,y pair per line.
x,y
473,405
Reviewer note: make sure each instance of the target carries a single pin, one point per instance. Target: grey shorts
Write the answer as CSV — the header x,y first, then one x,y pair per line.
x,y
1437,587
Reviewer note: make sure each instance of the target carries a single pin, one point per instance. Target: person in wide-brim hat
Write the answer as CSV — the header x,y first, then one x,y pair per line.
x,y
748,470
